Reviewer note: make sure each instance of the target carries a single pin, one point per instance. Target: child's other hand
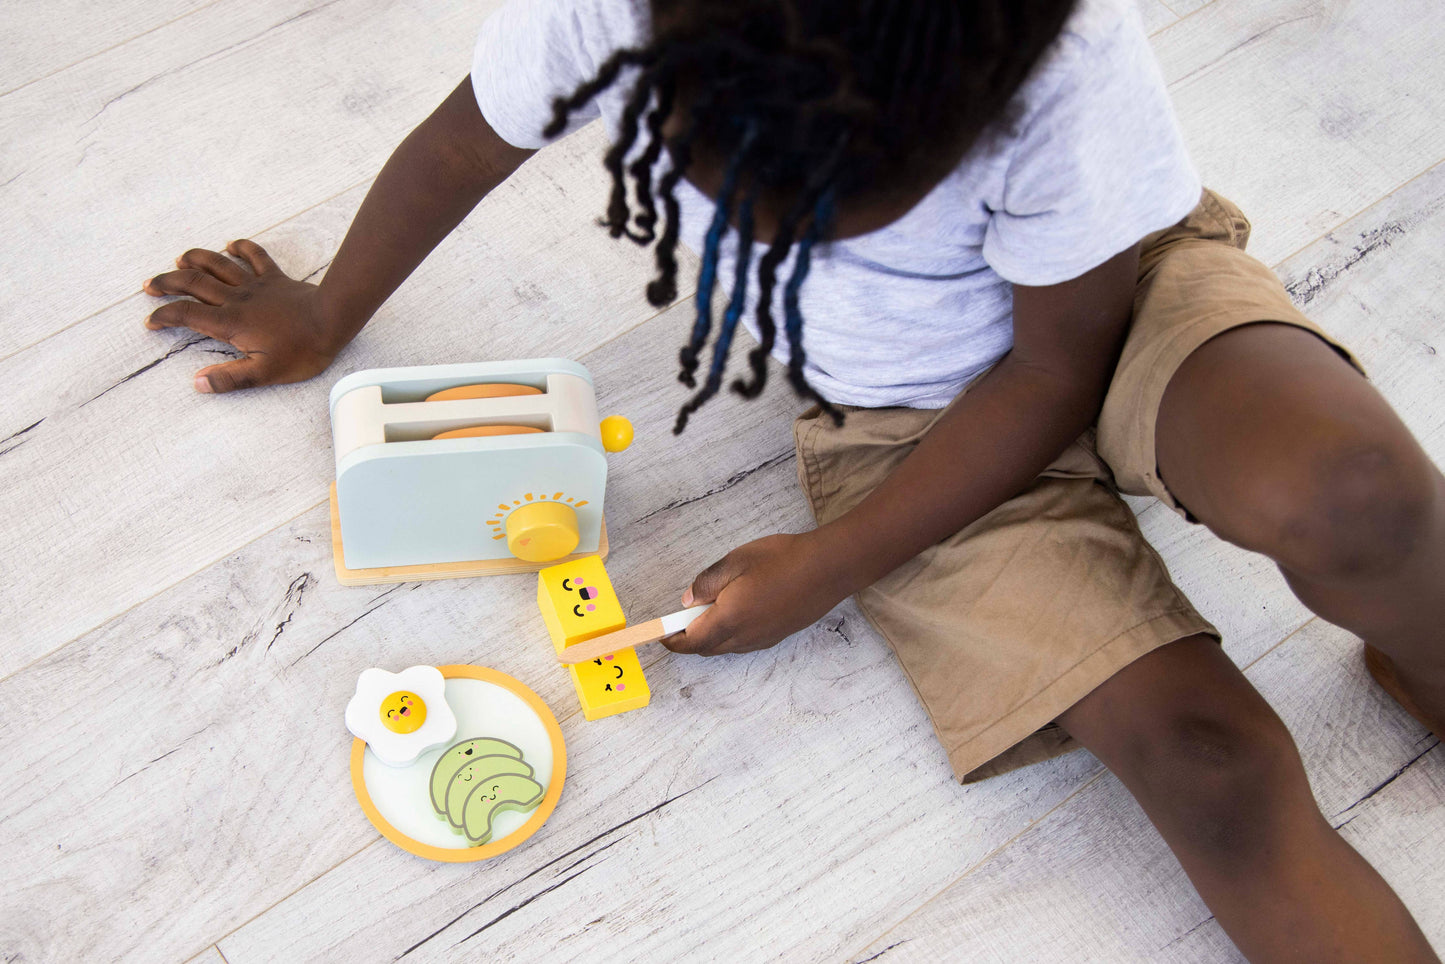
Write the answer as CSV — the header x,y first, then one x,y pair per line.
x,y
274,320
762,592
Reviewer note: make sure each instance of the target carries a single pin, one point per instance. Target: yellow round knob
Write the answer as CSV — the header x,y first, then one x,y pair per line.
x,y
542,531
616,433
403,712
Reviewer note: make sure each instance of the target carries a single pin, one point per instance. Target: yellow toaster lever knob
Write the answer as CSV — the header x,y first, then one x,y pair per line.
x,y
616,433
542,531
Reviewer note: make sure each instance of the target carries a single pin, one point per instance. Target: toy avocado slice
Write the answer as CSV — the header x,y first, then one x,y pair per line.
x,y
473,774
511,791
457,757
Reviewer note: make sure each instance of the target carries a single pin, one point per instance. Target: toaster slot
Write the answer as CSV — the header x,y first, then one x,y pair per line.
x,y
406,390
488,390
424,429
481,431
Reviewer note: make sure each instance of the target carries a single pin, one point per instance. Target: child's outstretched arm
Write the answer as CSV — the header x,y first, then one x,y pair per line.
x,y
995,441
289,330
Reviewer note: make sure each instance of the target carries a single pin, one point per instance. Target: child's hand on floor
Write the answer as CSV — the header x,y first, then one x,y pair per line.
x,y
276,321
762,592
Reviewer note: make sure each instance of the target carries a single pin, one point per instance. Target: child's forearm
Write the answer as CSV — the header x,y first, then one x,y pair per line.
x,y
988,448
1004,431
999,436
430,183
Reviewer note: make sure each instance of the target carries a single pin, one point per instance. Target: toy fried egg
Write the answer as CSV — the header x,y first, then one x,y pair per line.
x,y
401,715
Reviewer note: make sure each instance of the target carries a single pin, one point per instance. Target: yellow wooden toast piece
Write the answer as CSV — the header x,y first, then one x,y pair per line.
x,y
578,603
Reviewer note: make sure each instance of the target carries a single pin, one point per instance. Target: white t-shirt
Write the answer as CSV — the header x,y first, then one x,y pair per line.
x,y
910,313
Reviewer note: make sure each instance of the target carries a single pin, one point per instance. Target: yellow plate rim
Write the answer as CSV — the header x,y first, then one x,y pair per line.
x,y
539,816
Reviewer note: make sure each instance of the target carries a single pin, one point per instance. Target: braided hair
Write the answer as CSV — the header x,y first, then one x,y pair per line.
x,y
812,105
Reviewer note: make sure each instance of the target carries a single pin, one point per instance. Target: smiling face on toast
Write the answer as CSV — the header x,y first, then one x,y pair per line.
x,y
578,601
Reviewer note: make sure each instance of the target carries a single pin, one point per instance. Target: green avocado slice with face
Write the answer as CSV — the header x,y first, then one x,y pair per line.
x,y
511,791
476,772
457,757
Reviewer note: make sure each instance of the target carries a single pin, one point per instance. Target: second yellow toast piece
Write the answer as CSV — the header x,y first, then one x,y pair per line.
x,y
610,684
578,603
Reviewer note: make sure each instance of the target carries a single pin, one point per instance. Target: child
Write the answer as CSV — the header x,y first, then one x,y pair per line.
x,y
1017,303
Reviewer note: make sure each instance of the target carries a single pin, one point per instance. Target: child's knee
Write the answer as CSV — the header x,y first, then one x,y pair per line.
x,y
1224,783
1353,508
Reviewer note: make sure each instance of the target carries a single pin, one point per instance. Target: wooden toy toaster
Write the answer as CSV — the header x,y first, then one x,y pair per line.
x,y
471,469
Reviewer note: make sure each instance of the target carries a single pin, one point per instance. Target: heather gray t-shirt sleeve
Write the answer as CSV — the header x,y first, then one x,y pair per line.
x,y
1099,161
530,52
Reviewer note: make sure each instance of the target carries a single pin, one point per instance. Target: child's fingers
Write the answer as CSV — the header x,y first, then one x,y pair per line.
x,y
194,282
202,319
253,254
710,581
704,636
213,263
232,376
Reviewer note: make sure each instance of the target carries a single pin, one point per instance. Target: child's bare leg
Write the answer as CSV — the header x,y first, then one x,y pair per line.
x,y
1278,445
1218,775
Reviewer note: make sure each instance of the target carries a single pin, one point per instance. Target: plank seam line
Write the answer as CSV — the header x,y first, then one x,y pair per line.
x,y
118,43
166,588
681,298
340,863
1379,200
1199,9
1273,265
1181,19
1290,635
279,901
981,861
318,876
254,234
279,525
684,296
1008,843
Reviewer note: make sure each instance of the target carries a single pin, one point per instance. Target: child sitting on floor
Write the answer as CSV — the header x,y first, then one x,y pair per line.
x,y
1018,302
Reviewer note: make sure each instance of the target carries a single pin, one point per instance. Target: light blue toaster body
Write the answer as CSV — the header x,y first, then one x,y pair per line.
x,y
405,498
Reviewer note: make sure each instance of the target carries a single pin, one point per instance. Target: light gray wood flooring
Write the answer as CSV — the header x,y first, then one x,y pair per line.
x,y
175,654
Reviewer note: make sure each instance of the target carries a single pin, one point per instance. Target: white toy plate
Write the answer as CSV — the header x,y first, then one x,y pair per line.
x,y
397,800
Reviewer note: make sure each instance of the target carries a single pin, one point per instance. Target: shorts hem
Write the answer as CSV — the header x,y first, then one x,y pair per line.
x,y
1137,472
1080,680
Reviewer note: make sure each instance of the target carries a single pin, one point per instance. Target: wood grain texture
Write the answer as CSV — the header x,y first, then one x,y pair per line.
x,y
219,708
1094,882
40,39
117,479
212,127
57,525
1185,7
1157,15
166,603
1287,110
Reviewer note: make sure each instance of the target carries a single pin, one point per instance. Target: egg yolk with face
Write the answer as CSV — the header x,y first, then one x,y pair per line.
x,y
403,712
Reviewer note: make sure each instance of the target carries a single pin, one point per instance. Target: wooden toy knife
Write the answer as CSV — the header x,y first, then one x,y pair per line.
x,y
648,632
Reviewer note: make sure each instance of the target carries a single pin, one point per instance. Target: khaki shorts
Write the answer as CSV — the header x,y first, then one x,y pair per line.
x,y
1006,624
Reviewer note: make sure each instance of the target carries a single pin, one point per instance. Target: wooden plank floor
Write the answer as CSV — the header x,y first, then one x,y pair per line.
x,y
175,654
